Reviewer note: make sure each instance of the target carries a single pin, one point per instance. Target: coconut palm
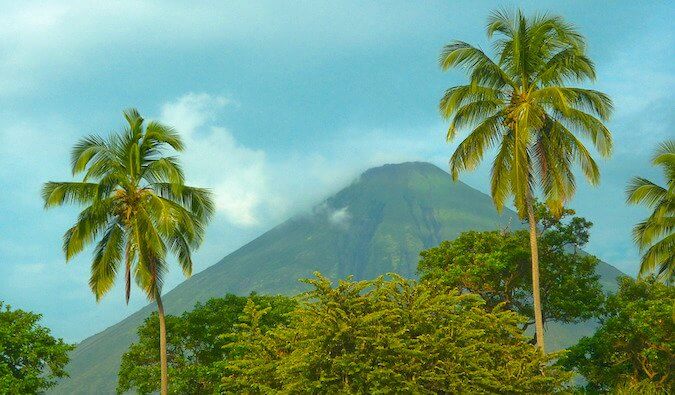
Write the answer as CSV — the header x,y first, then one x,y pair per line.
x,y
137,207
521,106
654,236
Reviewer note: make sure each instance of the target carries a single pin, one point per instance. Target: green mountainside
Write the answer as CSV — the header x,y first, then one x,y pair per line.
x,y
378,224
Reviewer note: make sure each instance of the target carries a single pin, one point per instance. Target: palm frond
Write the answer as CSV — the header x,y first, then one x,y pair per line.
x,y
59,193
655,234
658,224
158,134
198,201
165,169
640,190
85,150
500,21
135,121
575,150
568,64
588,125
472,113
457,96
521,169
660,257
485,72
500,185
107,258
471,150
665,157
90,222
589,100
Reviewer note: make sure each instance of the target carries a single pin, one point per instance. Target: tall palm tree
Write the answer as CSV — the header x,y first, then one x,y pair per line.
x,y
138,207
654,236
521,105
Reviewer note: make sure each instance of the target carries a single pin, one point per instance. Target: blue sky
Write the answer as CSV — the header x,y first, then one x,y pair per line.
x,y
281,103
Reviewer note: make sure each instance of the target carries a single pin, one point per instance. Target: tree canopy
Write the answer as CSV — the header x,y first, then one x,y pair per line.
x,y
635,342
495,265
195,344
521,104
387,335
31,359
135,199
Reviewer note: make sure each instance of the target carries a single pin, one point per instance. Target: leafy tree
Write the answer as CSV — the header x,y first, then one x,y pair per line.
x,y
194,345
494,265
521,106
655,235
634,347
387,336
30,357
137,202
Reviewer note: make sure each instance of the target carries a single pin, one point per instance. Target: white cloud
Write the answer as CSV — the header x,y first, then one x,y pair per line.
x,y
237,175
340,217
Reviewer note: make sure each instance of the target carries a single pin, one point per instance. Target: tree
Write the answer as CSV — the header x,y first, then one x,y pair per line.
x,y
30,357
494,265
137,202
635,342
195,345
654,236
521,106
387,336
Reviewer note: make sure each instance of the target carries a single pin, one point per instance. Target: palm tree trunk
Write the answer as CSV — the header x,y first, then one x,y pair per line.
x,y
536,298
162,346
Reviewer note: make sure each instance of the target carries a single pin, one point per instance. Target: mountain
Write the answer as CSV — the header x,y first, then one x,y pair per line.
x,y
376,225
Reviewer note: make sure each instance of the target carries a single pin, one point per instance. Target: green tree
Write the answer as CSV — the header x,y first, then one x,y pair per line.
x,y
195,345
494,265
655,235
387,336
137,202
521,106
30,357
635,342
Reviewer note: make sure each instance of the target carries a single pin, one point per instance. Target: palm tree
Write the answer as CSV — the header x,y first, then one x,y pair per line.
x,y
654,236
521,105
137,206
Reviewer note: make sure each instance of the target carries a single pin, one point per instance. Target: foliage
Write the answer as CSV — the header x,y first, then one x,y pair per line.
x,y
136,201
30,357
495,265
387,336
521,104
655,235
194,345
635,342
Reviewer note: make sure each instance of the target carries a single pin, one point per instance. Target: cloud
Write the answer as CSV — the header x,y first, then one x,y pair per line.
x,y
340,217
237,175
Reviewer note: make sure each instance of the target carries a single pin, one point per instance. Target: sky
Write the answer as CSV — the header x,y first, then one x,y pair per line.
x,y
281,104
